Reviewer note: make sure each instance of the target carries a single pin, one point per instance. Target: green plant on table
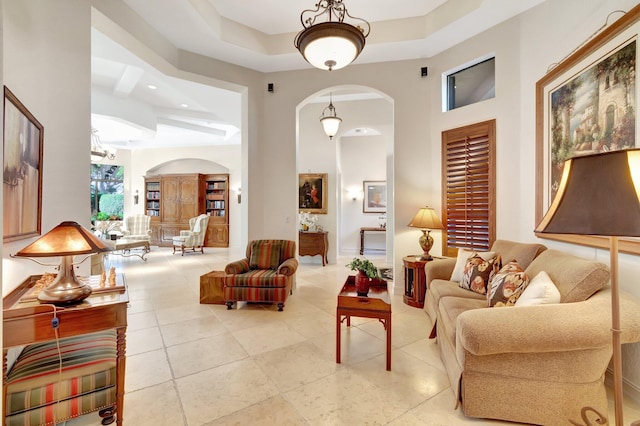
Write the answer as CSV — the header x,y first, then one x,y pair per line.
x,y
364,265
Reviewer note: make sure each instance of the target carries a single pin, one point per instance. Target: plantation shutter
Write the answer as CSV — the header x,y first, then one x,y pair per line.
x,y
469,187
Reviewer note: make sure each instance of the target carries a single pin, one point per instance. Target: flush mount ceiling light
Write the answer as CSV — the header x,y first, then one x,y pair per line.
x,y
330,121
330,44
98,152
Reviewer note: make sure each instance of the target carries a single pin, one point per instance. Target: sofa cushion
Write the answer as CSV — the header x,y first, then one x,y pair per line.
x,y
523,253
265,255
461,262
478,273
448,311
576,279
507,285
540,291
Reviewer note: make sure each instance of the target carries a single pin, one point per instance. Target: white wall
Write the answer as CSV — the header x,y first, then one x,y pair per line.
x,y
47,65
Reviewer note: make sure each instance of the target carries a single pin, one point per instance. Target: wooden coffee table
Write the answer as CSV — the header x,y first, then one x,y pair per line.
x,y
376,304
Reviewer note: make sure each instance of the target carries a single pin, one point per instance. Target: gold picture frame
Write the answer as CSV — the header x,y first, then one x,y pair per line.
x,y
312,193
561,128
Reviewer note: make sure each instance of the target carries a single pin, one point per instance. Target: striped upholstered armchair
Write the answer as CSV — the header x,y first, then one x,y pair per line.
x,y
265,275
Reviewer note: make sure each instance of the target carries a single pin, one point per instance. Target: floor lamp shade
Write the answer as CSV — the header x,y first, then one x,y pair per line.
x,y
599,194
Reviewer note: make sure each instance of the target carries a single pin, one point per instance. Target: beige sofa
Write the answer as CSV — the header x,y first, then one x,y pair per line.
x,y
533,364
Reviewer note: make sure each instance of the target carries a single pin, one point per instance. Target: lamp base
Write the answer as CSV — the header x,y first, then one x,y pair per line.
x,y
65,288
426,242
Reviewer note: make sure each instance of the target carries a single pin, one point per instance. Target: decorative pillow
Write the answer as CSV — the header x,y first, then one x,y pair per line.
x,y
461,262
478,273
507,285
265,255
540,291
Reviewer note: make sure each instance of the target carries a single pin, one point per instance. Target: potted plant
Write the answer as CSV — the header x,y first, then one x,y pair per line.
x,y
367,272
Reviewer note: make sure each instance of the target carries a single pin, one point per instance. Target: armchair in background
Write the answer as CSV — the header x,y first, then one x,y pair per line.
x,y
265,275
192,239
137,227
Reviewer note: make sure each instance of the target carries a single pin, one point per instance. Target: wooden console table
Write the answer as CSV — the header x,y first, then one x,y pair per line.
x,y
365,229
376,304
313,244
27,322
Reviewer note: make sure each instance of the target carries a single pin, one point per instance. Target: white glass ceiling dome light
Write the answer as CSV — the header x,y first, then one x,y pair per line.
x,y
330,122
331,44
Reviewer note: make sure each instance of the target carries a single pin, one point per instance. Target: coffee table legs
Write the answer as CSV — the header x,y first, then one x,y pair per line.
x,y
386,322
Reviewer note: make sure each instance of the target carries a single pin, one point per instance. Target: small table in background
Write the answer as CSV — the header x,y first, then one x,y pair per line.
x,y
313,244
366,229
376,304
414,281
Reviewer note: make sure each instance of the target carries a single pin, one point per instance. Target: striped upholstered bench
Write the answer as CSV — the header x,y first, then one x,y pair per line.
x,y
41,392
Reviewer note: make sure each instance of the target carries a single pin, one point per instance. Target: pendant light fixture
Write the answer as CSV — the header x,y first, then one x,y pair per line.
x,y
330,121
327,42
98,152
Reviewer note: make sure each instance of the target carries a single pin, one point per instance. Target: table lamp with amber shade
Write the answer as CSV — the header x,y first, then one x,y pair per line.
x,y
599,194
65,240
426,219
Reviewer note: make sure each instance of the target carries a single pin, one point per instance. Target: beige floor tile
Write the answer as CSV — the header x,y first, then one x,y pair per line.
x,y
221,391
189,330
145,340
267,337
271,412
175,314
344,398
199,355
296,365
147,369
141,320
161,406
427,351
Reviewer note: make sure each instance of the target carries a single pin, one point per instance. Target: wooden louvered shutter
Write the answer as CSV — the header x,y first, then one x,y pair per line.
x,y
468,178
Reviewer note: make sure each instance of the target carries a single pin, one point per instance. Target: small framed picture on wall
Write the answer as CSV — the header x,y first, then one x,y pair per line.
x,y
312,192
375,196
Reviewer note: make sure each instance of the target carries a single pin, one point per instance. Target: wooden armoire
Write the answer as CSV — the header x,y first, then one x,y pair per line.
x,y
172,199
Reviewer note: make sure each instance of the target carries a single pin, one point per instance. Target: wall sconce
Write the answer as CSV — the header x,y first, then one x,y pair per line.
x,y
354,193
239,191
136,197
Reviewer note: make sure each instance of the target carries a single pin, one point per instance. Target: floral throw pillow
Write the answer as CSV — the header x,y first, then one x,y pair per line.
x,y
478,272
507,285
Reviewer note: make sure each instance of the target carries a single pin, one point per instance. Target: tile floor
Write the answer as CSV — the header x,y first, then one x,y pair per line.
x,y
192,364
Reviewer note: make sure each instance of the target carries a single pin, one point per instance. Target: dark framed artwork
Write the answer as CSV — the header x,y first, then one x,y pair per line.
x,y
584,105
22,173
312,192
375,196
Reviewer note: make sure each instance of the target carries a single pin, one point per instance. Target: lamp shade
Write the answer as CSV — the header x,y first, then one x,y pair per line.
x,y
330,45
426,218
66,239
599,194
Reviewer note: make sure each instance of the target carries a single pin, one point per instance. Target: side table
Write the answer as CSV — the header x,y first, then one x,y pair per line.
x,y
312,244
414,281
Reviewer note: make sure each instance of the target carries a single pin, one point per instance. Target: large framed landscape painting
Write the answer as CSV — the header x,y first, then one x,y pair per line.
x,y
587,104
22,173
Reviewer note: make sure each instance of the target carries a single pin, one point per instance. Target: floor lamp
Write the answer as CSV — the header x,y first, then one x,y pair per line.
x,y
599,194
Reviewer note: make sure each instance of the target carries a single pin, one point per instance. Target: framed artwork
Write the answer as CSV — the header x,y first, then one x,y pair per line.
x,y
584,105
22,173
312,193
375,196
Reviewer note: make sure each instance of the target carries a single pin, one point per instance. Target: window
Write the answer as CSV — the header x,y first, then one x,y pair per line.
x,y
469,183
107,180
472,84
